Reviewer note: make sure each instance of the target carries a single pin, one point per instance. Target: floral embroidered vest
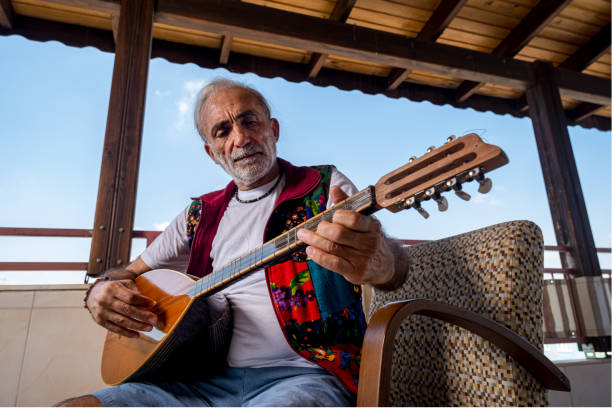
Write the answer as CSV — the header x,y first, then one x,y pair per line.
x,y
318,310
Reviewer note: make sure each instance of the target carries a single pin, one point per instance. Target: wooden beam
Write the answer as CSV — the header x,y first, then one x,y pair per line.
x,y
433,28
397,77
329,37
530,26
226,45
582,111
316,63
341,12
103,6
114,217
6,14
115,26
590,52
440,19
572,84
585,56
567,207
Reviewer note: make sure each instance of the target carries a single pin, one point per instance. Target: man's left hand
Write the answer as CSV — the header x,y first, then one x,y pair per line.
x,y
352,245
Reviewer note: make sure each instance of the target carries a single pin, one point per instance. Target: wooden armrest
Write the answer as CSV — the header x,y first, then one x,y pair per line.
x,y
377,350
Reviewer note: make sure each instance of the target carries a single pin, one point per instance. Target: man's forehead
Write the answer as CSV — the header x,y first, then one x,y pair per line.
x,y
229,102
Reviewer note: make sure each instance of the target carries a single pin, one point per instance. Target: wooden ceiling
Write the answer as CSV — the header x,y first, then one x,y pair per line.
x,y
467,53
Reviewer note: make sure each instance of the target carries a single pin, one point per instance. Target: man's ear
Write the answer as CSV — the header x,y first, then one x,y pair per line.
x,y
275,128
209,153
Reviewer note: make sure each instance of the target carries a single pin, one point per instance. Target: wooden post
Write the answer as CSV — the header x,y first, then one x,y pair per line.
x,y
567,208
569,214
114,218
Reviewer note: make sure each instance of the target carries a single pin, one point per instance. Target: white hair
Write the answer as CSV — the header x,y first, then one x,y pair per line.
x,y
215,86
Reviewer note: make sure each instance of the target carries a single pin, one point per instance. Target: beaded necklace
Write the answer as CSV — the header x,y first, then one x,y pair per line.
x,y
280,176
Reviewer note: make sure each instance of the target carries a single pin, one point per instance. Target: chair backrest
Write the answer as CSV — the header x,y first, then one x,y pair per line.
x,y
496,272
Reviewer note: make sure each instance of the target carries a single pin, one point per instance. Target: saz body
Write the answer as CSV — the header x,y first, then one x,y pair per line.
x,y
192,343
196,327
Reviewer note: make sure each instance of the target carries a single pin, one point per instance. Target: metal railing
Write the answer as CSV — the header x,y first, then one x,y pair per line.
x,y
151,235
57,233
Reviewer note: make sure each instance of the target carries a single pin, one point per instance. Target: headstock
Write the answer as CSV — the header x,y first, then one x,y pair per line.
x,y
446,168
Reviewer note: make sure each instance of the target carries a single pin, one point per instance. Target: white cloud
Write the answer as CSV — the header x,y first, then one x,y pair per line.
x,y
161,226
485,199
186,102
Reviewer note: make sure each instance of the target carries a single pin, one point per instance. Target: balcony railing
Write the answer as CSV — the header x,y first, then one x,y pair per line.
x,y
151,235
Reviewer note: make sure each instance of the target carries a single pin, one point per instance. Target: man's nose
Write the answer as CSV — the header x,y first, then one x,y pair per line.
x,y
241,136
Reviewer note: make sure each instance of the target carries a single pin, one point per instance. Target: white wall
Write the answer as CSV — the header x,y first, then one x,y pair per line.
x,y
590,380
49,346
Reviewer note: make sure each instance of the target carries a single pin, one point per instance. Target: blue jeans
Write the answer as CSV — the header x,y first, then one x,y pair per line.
x,y
247,387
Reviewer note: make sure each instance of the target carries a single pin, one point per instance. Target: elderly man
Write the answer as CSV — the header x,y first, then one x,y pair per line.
x,y
288,347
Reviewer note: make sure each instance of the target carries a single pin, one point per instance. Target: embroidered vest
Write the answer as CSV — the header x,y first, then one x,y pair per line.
x,y
318,310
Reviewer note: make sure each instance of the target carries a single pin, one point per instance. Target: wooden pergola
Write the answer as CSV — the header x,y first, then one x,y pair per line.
x,y
547,59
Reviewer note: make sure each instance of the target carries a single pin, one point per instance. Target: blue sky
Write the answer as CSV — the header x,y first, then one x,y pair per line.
x,y
53,107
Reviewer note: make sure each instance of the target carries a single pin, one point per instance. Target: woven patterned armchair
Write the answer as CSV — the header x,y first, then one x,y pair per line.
x,y
472,333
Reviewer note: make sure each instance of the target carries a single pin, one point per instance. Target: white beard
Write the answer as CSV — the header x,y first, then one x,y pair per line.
x,y
249,171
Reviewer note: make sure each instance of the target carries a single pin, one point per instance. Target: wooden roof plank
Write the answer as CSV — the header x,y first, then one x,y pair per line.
x,y
535,21
6,14
590,52
433,28
341,12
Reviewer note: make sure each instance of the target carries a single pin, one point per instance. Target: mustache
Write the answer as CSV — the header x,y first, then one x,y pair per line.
x,y
242,152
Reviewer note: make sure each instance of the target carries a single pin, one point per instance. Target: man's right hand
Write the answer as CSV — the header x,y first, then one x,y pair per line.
x,y
119,306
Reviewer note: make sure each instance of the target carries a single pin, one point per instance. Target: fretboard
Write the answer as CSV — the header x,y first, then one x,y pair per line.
x,y
279,247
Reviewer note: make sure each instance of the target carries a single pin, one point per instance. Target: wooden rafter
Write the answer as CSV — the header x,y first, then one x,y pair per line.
x,y
580,60
6,14
341,12
226,44
585,56
590,52
532,25
582,111
433,28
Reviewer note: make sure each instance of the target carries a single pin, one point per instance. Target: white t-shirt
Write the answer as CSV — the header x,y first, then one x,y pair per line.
x,y
257,339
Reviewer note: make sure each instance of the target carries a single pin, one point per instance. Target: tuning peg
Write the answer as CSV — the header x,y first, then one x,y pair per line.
x,y
431,149
411,159
421,210
430,192
450,138
473,173
460,193
442,203
408,203
485,185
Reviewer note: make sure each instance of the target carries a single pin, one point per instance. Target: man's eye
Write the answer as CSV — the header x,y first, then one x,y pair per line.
x,y
222,133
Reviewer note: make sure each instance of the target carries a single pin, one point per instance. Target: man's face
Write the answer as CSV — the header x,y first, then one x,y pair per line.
x,y
240,136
